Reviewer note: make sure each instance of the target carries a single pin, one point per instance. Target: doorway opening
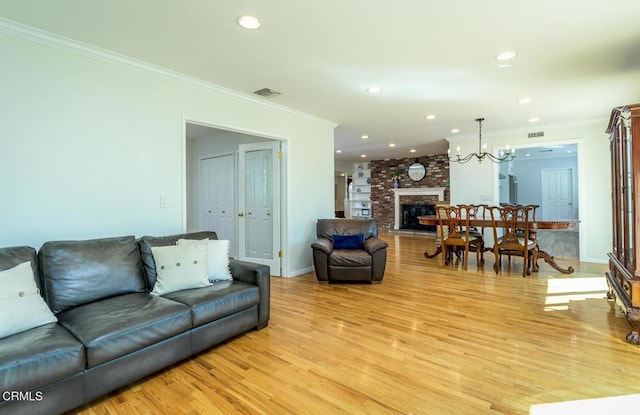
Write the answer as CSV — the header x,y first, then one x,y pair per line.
x,y
546,175
219,181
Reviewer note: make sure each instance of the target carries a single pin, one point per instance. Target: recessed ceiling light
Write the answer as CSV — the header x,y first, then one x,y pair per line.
x,y
568,151
506,55
364,136
374,89
527,155
413,150
363,155
249,22
392,144
534,119
431,117
525,100
455,130
338,151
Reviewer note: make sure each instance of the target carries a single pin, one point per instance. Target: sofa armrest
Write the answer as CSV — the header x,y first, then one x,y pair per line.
x,y
323,244
259,275
373,245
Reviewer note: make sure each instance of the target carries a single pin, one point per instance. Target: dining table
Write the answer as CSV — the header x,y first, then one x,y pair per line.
x,y
534,226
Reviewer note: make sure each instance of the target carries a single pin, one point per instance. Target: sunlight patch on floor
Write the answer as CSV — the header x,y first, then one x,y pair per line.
x,y
562,291
625,404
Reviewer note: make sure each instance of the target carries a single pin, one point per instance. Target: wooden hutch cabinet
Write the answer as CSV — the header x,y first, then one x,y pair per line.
x,y
623,277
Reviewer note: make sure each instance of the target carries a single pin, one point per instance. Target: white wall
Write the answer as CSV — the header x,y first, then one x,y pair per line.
x,y
340,191
477,183
89,144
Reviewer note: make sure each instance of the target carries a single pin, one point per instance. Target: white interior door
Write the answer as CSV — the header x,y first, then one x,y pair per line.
x,y
217,197
259,204
557,194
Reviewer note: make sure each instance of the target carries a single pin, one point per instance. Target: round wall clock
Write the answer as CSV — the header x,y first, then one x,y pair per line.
x,y
416,171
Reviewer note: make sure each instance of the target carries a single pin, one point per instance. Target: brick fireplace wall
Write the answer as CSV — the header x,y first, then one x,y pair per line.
x,y
437,167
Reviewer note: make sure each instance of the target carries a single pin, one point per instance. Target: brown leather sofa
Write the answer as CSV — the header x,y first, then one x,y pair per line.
x,y
334,262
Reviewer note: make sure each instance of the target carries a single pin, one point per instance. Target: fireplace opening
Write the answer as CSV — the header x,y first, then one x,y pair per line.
x,y
410,215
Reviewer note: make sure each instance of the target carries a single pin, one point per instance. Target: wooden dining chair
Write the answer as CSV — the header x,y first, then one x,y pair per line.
x,y
477,232
438,241
530,212
513,224
453,222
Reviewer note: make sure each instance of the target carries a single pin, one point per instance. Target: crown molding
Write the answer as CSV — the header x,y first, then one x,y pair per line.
x,y
32,34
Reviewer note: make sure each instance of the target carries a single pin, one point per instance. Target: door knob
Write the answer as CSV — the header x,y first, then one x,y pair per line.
x,y
241,214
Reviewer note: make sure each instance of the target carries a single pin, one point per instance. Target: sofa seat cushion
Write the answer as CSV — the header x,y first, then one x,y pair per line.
x,y
218,300
350,258
117,326
38,357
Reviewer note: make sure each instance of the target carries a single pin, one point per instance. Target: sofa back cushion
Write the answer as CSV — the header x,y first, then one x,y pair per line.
x,y
147,242
326,228
80,272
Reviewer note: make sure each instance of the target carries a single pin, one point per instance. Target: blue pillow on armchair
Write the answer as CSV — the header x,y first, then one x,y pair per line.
x,y
348,241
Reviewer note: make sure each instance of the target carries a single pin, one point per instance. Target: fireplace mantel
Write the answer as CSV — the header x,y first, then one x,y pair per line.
x,y
416,191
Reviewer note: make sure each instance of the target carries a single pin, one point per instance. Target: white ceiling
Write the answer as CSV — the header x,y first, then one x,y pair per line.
x,y
547,152
577,58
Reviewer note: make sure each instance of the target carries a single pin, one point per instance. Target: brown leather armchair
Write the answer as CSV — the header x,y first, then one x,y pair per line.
x,y
348,250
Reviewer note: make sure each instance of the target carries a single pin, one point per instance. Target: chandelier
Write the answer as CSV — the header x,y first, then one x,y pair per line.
x,y
482,153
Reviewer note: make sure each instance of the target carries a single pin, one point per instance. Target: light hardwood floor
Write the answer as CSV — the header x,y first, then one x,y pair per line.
x,y
427,340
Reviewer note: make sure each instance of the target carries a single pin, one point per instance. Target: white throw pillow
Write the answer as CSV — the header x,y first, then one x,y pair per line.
x,y
180,267
21,306
217,258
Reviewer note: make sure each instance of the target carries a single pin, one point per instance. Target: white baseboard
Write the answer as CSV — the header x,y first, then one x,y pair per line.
x,y
595,260
298,272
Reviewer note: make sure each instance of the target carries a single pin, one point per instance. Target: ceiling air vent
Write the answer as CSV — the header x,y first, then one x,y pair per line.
x,y
538,134
266,92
